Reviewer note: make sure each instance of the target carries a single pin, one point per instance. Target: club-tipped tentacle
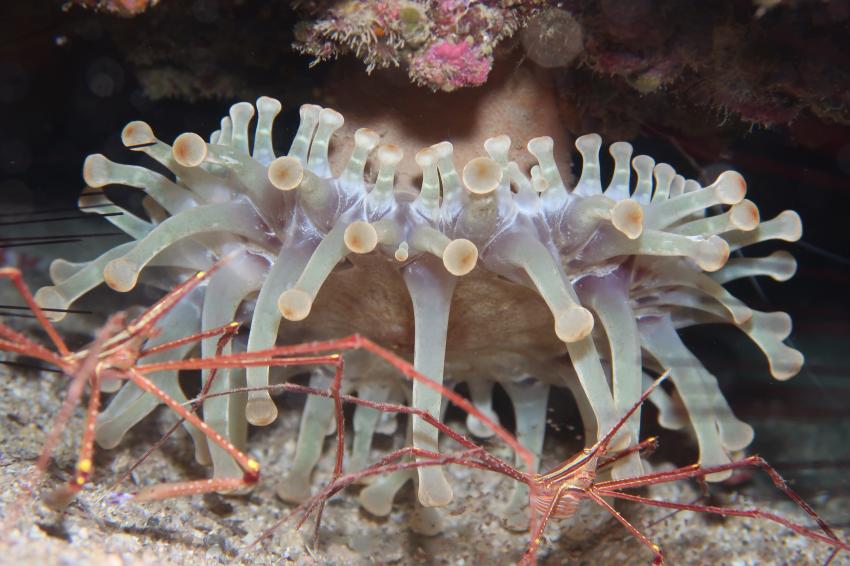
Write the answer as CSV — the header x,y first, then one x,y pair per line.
x,y
660,339
227,289
122,273
265,323
529,399
431,289
317,417
131,404
608,298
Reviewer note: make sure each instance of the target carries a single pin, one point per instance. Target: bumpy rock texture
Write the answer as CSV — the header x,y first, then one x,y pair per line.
x,y
763,62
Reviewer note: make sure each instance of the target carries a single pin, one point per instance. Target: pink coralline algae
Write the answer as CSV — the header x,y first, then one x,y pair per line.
x,y
444,45
449,66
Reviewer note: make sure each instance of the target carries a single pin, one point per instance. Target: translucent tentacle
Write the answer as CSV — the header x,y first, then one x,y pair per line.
x,y
608,297
786,226
66,292
131,404
572,321
729,188
660,339
365,423
317,417
780,266
529,399
227,289
98,203
98,171
122,273
267,110
481,392
618,188
430,288
261,410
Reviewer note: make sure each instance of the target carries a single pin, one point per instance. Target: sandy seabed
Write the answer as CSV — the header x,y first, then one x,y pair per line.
x,y
218,530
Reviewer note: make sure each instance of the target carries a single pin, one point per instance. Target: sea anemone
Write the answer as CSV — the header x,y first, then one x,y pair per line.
x,y
484,275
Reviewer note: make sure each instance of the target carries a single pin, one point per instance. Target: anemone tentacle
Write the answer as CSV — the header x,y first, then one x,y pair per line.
x,y
485,273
